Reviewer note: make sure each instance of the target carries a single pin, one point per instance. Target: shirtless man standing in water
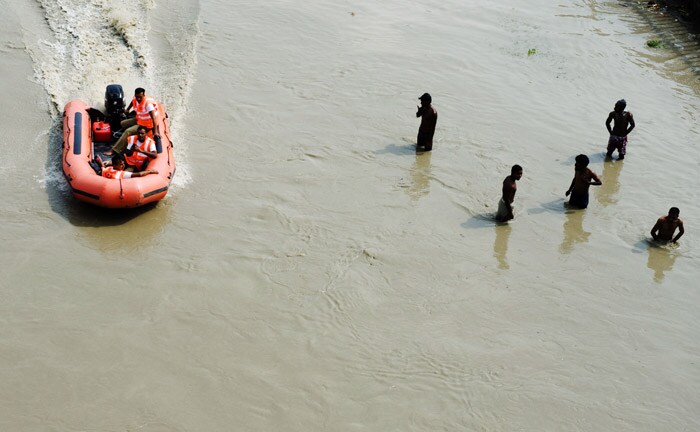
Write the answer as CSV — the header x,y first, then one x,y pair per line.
x,y
624,123
505,205
427,123
666,226
583,178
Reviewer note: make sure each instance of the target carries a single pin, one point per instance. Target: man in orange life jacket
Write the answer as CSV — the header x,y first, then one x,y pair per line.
x,y
140,150
145,109
116,171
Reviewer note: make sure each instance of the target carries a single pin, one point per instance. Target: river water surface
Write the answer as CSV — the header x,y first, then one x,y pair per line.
x,y
308,271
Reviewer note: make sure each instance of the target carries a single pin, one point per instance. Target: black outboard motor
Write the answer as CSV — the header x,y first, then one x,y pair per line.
x,y
114,106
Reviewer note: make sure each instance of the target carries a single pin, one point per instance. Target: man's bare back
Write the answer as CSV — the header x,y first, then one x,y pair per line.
x,y
621,122
666,225
583,180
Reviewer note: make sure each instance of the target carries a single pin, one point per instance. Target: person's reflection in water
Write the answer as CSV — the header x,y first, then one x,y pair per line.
x,y
420,175
500,245
573,230
607,192
661,260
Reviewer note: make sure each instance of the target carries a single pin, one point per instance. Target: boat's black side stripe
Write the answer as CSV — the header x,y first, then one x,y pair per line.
x,y
159,145
155,192
87,194
78,133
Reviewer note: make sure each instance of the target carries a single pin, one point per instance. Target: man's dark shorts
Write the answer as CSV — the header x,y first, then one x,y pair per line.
x,y
579,200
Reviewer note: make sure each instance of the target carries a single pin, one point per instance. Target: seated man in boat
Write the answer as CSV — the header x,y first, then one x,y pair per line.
x,y
116,170
140,150
146,110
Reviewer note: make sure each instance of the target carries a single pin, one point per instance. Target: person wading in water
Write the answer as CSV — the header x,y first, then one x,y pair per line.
x,y
427,125
624,123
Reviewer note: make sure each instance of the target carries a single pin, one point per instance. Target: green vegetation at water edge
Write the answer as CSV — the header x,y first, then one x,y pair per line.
x,y
654,43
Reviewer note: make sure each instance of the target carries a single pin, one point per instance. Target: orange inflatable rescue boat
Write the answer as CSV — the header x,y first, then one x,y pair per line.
x,y
87,134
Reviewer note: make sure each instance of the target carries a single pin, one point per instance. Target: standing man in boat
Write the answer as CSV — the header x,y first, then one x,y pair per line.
x,y
505,205
140,150
116,170
146,110
427,125
624,123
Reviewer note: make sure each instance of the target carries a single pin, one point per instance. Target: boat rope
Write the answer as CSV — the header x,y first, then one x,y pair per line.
x,y
121,190
167,134
67,145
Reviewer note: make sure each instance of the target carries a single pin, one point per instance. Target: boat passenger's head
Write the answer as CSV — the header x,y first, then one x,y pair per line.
x,y
118,162
139,94
141,132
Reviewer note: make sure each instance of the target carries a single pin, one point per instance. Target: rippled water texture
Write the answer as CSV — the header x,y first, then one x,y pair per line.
x,y
309,271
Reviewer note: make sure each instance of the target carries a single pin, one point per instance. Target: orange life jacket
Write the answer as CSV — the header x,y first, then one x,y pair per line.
x,y
136,159
143,117
111,173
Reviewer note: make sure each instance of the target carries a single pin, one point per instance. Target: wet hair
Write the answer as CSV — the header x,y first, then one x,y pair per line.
x,y
582,160
515,169
117,158
139,90
674,210
621,103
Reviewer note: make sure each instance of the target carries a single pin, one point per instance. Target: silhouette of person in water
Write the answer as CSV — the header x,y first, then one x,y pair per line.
x,y
666,225
583,178
505,205
624,123
427,125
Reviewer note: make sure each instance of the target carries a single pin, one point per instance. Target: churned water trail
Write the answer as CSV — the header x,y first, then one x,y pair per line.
x,y
132,43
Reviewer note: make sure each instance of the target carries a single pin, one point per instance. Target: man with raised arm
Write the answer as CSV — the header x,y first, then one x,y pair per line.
x,y
427,125
583,178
